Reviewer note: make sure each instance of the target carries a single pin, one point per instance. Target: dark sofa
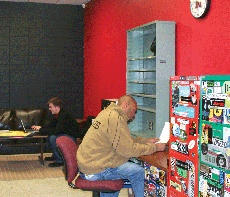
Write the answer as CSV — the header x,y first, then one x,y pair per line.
x,y
10,119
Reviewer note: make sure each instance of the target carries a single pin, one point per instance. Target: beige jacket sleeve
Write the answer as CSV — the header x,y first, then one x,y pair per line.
x,y
120,137
139,140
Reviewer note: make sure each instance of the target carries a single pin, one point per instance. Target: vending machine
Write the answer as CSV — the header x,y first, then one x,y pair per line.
x,y
183,144
214,127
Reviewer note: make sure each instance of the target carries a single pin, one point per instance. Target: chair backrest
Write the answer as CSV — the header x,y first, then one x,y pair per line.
x,y
68,150
87,125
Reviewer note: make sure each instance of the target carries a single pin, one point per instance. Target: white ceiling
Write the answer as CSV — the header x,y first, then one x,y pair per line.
x,y
72,2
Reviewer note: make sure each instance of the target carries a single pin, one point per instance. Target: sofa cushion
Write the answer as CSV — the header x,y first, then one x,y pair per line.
x,y
6,119
29,116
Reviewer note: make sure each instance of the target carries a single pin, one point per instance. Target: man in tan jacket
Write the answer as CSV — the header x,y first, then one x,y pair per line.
x,y
108,145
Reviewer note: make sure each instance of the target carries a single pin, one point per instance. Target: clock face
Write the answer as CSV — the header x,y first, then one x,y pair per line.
x,y
199,8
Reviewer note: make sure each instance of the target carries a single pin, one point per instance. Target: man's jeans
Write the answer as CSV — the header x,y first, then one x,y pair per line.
x,y
51,140
131,171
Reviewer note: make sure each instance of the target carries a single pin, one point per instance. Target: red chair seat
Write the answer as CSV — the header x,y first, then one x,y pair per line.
x,y
114,185
68,150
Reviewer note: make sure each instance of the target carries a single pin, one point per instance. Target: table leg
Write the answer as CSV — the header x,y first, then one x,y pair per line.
x,y
41,156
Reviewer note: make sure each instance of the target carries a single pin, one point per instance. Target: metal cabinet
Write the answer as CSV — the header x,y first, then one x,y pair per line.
x,y
150,63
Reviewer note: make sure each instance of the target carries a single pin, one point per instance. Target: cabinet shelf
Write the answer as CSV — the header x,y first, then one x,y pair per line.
x,y
140,133
142,82
142,58
146,109
143,95
143,70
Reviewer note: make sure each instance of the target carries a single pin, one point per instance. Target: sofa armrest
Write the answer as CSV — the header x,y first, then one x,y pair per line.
x,y
6,119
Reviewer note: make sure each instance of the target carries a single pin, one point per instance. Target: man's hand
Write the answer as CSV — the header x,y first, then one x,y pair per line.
x,y
153,140
36,127
160,146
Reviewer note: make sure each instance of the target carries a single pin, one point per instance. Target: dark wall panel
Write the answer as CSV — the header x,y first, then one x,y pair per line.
x,y
4,94
4,74
41,55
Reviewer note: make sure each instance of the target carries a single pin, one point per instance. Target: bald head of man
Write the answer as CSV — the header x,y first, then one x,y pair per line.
x,y
128,105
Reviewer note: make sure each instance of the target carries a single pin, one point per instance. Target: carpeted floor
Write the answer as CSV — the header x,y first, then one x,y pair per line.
x,y
48,187
23,175
24,167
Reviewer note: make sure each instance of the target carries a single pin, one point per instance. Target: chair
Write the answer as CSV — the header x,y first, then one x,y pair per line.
x,y
68,150
85,127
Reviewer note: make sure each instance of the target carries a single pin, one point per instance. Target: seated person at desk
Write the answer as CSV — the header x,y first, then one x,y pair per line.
x,y
108,145
62,124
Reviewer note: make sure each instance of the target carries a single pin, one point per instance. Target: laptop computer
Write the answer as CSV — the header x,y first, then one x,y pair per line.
x,y
31,131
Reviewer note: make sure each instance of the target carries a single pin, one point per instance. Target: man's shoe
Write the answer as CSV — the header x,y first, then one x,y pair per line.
x,y
55,164
49,159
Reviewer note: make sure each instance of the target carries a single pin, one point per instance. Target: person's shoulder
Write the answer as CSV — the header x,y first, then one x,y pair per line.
x,y
65,113
116,111
114,114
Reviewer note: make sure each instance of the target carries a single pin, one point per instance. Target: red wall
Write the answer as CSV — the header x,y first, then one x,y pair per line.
x,y
202,45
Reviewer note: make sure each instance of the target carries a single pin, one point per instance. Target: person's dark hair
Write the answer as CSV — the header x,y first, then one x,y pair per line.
x,y
56,102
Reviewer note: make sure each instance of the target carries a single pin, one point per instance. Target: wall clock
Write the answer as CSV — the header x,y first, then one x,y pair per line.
x,y
199,8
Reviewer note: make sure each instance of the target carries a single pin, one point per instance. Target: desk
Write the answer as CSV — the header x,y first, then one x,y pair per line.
x,y
158,159
16,136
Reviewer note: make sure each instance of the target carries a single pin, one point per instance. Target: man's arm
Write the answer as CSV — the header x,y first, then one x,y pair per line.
x,y
159,146
120,138
153,140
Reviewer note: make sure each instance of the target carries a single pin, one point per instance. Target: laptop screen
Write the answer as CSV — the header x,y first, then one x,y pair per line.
x,y
23,127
